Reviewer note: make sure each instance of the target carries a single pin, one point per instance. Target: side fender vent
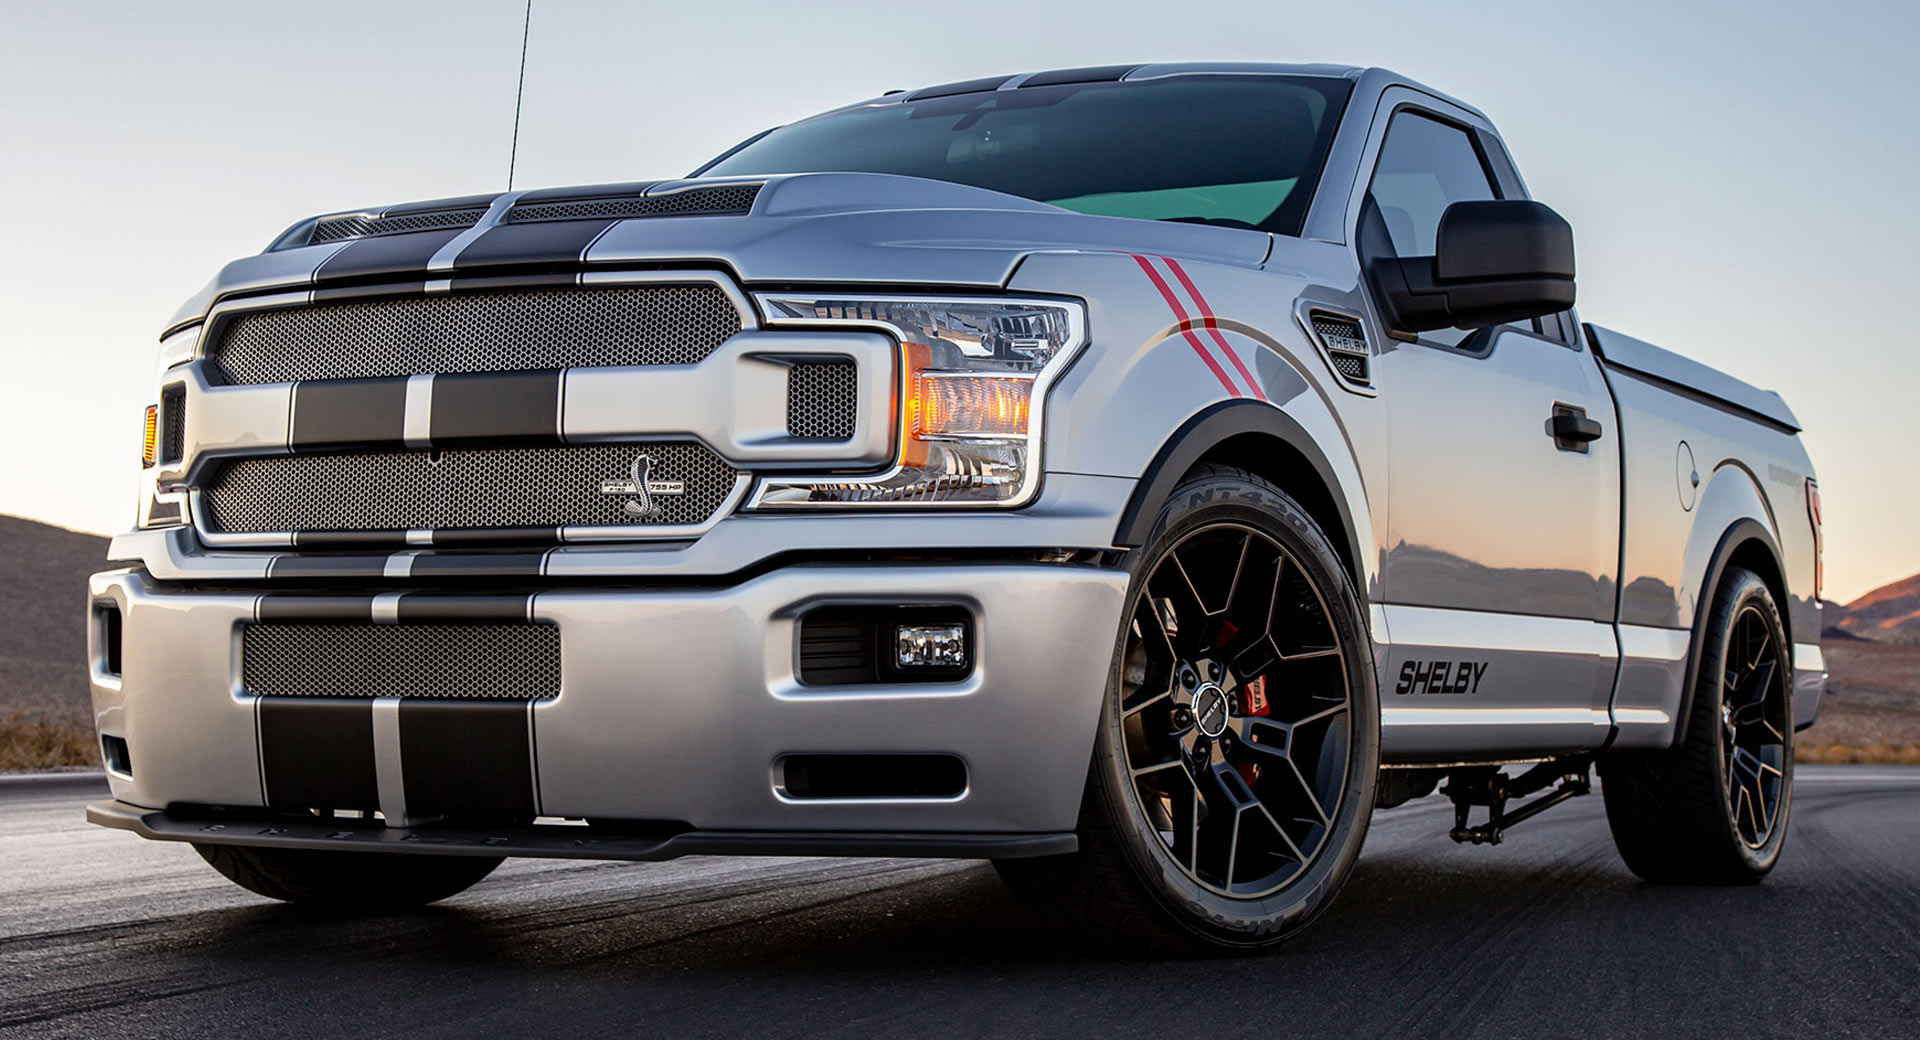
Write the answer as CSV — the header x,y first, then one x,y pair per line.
x,y
1343,341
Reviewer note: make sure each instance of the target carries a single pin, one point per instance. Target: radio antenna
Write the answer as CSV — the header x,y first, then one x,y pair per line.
x,y
513,153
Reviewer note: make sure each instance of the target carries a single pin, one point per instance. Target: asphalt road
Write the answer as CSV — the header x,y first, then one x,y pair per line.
x,y
105,935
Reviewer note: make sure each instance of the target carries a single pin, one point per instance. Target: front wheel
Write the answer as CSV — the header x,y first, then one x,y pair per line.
x,y
348,882
1238,747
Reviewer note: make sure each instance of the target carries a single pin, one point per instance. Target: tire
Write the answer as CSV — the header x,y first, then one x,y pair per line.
x,y
347,882
1196,833
1713,809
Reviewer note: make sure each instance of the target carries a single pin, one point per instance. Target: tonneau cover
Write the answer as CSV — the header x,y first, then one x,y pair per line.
x,y
1623,351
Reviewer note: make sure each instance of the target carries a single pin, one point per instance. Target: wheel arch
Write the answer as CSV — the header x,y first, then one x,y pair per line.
x,y
1262,440
1747,544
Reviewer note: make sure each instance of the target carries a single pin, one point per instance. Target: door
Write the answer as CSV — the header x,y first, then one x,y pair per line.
x,y
1502,533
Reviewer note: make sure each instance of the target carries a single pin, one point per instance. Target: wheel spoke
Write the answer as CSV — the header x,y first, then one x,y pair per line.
x,y
1157,767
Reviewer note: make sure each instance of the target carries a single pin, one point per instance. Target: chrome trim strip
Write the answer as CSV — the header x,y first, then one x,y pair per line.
x,y
417,425
442,261
388,770
386,608
1494,717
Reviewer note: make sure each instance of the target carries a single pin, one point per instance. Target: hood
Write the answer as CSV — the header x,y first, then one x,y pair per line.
x,y
854,228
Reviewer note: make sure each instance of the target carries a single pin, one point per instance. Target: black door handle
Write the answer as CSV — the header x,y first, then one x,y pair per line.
x,y
1573,428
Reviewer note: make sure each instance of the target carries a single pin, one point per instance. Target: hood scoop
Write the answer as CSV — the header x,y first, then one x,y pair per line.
x,y
628,201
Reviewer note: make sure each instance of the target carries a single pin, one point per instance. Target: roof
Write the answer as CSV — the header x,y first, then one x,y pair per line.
x,y
1376,79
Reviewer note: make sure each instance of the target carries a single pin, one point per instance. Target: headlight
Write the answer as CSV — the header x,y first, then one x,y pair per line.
x,y
974,375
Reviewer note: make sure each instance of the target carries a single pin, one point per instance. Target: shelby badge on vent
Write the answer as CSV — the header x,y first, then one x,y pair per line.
x,y
1003,469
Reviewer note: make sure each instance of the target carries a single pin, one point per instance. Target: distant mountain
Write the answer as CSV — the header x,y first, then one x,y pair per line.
x,y
43,592
1889,614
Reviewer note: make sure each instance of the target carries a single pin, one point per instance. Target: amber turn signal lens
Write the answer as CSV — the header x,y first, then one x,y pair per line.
x,y
150,440
965,405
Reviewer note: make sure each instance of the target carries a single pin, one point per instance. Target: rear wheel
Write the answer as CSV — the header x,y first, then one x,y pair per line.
x,y
351,882
1239,740
1713,809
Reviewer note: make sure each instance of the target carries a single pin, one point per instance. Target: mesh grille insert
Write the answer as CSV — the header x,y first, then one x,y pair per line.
x,y
1346,345
173,412
821,400
730,200
453,489
510,331
442,661
360,226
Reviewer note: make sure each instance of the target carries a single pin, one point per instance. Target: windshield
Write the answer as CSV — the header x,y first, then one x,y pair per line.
x,y
1240,151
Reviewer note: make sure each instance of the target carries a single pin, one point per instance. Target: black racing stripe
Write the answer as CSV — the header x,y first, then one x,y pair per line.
x,y
340,293
558,243
318,754
497,282
435,205
965,86
467,758
494,535
327,567
1091,74
338,539
284,607
490,406
332,412
430,606
477,565
386,256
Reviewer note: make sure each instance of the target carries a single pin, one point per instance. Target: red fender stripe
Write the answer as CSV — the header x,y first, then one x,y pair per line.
x,y
1206,312
1180,313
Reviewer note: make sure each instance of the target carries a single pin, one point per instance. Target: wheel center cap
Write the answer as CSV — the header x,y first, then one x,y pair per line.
x,y
1210,709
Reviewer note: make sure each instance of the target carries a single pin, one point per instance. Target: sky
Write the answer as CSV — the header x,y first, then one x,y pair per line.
x,y
1739,176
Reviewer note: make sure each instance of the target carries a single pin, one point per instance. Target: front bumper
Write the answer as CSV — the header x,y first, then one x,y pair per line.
x,y
675,705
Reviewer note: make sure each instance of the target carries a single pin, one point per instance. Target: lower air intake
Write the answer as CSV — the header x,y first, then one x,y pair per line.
x,y
438,661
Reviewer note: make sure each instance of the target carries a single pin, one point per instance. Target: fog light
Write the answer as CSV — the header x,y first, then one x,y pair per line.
x,y
930,646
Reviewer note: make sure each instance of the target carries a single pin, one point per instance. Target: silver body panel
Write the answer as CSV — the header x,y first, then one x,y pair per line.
x,y
1570,583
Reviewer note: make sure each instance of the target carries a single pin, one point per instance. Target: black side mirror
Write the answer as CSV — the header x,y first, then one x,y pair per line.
x,y
1493,262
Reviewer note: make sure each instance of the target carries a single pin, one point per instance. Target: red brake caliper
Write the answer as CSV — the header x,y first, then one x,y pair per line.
x,y
1253,701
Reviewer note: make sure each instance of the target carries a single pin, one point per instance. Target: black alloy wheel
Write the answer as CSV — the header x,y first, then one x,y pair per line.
x,y
1235,710
1238,747
1753,726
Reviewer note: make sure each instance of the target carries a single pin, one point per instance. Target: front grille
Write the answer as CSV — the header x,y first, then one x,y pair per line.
x,y
360,225
440,661
731,200
502,331
821,400
536,488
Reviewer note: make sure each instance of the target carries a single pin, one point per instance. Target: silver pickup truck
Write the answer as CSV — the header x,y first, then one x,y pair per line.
x,y
1134,476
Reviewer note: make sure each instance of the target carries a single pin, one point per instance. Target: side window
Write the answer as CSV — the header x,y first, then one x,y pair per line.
x,y
1425,166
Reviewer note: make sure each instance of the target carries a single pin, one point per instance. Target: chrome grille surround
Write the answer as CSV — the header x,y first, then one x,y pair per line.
x,y
440,661
270,499
821,399
496,330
